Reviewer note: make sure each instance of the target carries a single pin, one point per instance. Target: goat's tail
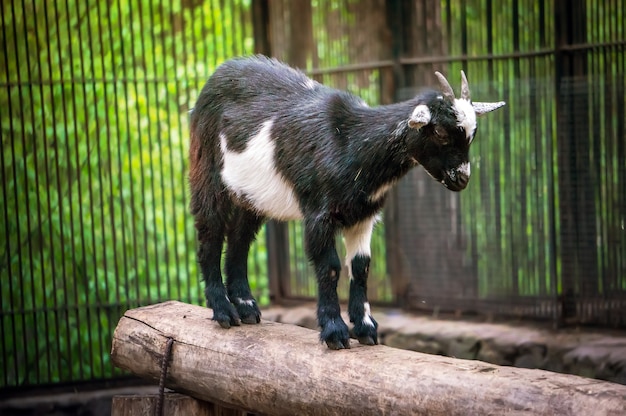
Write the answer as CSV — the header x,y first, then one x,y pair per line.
x,y
205,154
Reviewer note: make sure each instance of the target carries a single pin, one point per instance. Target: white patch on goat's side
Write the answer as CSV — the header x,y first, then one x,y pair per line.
x,y
357,241
252,175
466,117
367,316
464,168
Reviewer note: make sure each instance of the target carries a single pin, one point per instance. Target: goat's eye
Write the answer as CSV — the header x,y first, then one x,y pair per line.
x,y
442,135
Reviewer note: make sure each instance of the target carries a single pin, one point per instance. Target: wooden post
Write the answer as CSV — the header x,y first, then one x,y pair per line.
x,y
279,369
174,404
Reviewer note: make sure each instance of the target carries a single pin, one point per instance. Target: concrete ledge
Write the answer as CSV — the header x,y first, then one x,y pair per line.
x,y
599,354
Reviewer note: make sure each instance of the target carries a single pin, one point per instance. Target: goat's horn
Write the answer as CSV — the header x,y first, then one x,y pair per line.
x,y
484,108
447,90
465,92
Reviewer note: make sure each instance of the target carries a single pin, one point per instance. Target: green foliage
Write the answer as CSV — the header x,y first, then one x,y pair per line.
x,y
513,155
511,214
95,98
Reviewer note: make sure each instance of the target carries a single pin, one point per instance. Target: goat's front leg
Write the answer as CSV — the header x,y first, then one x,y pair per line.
x,y
320,244
357,240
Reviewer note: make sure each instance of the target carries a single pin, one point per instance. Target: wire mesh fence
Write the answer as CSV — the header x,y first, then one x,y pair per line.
x,y
539,233
94,97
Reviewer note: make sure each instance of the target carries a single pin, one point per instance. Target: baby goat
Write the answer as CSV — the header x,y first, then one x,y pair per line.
x,y
268,142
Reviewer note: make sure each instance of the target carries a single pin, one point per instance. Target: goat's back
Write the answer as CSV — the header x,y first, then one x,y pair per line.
x,y
259,81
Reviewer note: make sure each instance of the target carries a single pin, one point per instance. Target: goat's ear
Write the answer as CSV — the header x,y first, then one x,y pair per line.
x,y
484,108
420,117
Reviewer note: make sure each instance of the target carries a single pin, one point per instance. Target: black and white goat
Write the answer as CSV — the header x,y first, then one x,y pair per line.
x,y
268,142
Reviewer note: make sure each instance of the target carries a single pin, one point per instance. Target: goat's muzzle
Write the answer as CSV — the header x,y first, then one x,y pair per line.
x,y
457,179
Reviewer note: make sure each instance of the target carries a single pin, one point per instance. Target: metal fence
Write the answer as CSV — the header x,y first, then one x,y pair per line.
x,y
94,98
93,109
539,233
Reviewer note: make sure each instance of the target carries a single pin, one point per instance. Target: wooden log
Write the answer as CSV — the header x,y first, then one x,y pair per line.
x,y
174,404
279,369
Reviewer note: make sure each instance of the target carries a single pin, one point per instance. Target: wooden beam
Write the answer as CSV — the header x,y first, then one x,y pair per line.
x,y
279,369
174,404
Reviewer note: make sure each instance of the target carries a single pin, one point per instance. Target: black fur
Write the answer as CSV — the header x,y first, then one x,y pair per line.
x,y
366,334
334,151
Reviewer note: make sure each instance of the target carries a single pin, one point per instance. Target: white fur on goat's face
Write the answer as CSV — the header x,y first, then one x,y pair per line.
x,y
463,109
466,117
465,169
252,176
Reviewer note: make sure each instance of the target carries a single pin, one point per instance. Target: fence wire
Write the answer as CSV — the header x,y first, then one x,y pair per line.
x,y
94,97
94,220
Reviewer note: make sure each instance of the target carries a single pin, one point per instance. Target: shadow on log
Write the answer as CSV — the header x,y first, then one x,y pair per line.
x,y
279,369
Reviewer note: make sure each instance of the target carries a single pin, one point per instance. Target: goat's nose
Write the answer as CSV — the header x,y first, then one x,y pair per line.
x,y
463,174
462,179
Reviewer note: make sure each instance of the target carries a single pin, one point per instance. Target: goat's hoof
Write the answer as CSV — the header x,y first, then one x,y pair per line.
x,y
248,310
366,334
251,320
367,340
335,334
228,324
337,345
226,315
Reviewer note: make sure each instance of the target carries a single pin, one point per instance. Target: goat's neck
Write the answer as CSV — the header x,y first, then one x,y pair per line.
x,y
379,137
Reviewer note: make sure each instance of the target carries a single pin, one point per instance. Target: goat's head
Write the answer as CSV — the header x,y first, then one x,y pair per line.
x,y
446,126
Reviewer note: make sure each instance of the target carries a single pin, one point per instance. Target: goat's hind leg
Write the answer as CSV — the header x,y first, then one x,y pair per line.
x,y
210,231
241,232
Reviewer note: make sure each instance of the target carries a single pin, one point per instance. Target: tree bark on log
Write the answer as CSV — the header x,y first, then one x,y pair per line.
x,y
280,369
174,404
